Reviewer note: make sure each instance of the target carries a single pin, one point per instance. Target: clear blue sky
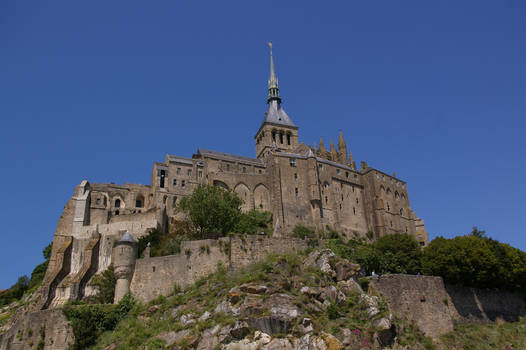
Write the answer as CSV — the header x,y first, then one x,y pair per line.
x,y
99,90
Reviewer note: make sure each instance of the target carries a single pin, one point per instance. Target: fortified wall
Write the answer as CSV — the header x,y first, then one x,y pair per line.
x,y
436,307
159,275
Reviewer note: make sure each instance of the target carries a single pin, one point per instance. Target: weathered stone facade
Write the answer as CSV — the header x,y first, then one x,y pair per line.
x,y
298,184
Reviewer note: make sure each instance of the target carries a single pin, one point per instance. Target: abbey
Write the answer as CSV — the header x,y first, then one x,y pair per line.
x,y
298,184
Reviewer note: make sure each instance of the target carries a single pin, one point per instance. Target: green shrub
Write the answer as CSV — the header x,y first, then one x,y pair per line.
x,y
364,283
90,321
303,232
105,284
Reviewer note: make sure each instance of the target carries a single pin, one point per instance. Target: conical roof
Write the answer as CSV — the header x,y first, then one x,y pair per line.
x,y
275,114
127,237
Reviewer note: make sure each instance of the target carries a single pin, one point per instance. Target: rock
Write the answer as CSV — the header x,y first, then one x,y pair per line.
x,y
349,286
234,295
381,323
205,316
306,326
372,305
346,336
260,340
335,295
173,337
345,270
386,337
331,341
311,292
209,339
224,307
240,330
269,324
320,259
279,344
253,288
187,319
152,309
308,342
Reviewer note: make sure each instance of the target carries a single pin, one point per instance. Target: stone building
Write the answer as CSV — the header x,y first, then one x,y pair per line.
x,y
298,184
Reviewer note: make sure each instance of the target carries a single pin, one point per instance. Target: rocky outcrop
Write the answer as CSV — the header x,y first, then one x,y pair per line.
x,y
47,327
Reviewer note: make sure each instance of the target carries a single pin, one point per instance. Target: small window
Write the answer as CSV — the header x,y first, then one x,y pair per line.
x,y
139,203
174,201
182,183
292,161
401,211
116,212
259,171
295,176
388,207
355,176
174,182
189,172
274,135
326,199
288,139
357,201
281,137
178,171
117,203
320,167
347,174
228,167
338,171
98,201
354,210
244,169
391,224
200,173
296,191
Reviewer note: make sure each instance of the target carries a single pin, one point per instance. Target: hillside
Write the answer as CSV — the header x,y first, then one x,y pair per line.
x,y
294,301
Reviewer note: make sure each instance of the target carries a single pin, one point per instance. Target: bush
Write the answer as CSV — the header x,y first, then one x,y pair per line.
x,y
303,232
105,283
477,261
90,321
212,209
401,253
253,222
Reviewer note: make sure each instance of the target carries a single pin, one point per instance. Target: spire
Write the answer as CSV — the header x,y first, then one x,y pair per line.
x,y
334,154
342,150
273,89
321,149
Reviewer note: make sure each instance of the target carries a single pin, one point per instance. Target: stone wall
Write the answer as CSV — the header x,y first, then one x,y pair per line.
x,y
436,307
26,333
158,275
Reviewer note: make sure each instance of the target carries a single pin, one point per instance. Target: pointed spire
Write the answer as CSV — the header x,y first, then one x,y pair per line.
x,y
273,89
321,149
334,154
342,150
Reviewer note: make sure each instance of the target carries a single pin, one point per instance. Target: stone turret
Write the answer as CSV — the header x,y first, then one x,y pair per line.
x,y
124,257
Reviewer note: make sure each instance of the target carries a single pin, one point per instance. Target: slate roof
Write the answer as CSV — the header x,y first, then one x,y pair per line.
x,y
275,114
228,156
127,238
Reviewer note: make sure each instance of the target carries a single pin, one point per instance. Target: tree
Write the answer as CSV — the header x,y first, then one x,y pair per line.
x,y
400,253
254,221
212,209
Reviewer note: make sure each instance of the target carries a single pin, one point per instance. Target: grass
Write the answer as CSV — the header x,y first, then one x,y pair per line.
x,y
498,335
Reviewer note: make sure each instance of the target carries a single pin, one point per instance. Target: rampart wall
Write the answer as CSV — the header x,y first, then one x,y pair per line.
x,y
158,275
435,307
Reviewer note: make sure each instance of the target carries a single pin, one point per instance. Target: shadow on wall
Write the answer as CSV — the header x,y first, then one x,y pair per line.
x,y
485,304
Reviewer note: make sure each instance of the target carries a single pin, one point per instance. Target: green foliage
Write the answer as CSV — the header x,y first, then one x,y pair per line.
x,y
254,222
90,321
364,283
474,260
105,283
303,232
161,243
333,311
42,341
212,209
401,253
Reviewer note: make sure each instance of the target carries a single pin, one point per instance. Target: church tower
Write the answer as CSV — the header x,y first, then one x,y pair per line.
x,y
277,130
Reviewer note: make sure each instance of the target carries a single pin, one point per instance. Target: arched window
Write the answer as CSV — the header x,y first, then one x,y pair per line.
x,y
288,139
139,201
117,203
401,211
281,137
274,135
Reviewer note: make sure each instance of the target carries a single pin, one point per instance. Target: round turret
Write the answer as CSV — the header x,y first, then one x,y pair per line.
x,y
124,257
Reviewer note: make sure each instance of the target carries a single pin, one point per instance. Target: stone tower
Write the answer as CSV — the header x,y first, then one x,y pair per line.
x,y
124,257
277,130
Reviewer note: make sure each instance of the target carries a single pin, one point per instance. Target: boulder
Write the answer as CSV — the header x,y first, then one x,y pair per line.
x,y
173,337
320,259
205,316
240,330
269,324
253,288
